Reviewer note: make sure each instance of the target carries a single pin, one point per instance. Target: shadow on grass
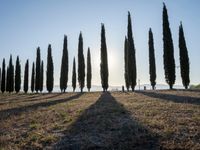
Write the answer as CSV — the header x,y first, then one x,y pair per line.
x,y
4,114
107,125
28,97
173,98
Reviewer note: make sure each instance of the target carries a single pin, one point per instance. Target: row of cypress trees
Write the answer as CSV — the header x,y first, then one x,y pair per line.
x,y
130,75
168,56
37,76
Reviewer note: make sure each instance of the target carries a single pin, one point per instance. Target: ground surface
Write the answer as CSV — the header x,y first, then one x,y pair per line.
x,y
140,120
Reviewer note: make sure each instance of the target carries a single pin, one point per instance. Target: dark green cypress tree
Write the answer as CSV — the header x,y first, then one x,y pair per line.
x,y
49,75
37,76
7,79
41,76
74,75
131,53
168,56
104,60
184,59
152,65
3,77
64,67
11,76
89,70
26,73
33,78
81,64
126,56
17,75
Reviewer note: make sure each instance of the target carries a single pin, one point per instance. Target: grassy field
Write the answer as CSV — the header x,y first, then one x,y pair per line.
x,y
141,120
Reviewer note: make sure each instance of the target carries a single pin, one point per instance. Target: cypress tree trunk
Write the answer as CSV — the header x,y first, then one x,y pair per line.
x,y
81,64
3,77
50,79
131,53
64,67
26,73
41,77
33,78
184,59
152,65
104,60
17,75
74,75
89,70
37,77
168,56
126,56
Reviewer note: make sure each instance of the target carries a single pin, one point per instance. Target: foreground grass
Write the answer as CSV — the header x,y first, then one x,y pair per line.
x,y
140,120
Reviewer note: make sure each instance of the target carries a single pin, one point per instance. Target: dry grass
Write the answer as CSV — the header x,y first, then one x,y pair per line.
x,y
140,120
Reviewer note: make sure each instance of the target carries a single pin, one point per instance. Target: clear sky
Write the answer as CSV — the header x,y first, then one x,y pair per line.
x,y
27,24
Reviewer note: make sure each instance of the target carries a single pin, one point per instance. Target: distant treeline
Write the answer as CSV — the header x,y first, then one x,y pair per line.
x,y
10,77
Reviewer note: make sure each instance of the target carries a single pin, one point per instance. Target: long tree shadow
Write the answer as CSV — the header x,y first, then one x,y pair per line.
x,y
4,114
29,98
107,125
173,98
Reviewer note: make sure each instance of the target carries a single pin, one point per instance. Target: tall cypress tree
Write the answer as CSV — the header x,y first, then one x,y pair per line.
x,y
126,56
104,60
131,56
81,64
17,75
64,67
37,76
169,62
184,59
11,76
152,65
26,72
41,76
74,75
3,77
50,79
89,70
33,78
7,79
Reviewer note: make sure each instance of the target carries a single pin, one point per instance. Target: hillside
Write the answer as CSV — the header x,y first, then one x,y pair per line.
x,y
141,120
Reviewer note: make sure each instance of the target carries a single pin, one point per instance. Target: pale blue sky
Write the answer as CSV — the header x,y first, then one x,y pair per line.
x,y
27,24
